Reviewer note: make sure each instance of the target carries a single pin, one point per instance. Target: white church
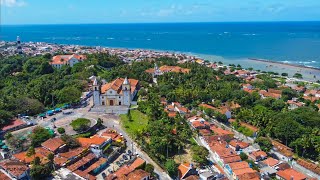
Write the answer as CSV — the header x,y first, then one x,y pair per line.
x,y
119,92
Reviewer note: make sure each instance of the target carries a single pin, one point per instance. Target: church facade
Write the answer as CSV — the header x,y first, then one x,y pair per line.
x,y
119,92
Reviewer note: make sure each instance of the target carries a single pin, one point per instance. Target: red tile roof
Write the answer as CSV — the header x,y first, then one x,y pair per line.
x,y
238,165
242,144
72,152
41,152
257,154
117,84
200,124
137,174
53,144
126,169
184,169
287,174
96,140
270,161
309,165
84,160
238,172
283,149
4,176
15,168
14,123
249,176
220,132
62,59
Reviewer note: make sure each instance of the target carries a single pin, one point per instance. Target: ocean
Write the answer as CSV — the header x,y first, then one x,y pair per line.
x,y
291,42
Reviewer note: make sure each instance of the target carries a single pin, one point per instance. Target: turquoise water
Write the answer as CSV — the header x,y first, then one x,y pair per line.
x,y
292,42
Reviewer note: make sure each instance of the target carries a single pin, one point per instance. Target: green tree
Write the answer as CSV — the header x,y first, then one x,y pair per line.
x,y
31,151
61,130
264,143
149,168
171,168
243,156
70,141
39,135
199,154
69,95
80,124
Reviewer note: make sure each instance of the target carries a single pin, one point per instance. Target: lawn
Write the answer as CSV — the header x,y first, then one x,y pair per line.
x,y
137,124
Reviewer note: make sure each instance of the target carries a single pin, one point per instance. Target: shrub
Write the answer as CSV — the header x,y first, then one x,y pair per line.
x,y
61,130
80,124
243,156
149,168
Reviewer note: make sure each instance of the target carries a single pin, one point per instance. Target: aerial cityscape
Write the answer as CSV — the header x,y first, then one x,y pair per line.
x,y
160,90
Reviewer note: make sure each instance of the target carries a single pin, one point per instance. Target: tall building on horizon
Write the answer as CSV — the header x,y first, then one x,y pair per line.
x,y
19,48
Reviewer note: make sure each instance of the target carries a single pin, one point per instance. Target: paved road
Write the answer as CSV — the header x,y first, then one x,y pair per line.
x,y
112,121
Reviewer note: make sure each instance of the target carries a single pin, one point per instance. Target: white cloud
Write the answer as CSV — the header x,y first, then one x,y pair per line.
x,y
13,3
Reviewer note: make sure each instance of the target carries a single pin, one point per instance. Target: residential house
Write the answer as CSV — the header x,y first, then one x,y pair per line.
x,y
258,155
197,122
270,162
273,94
54,145
13,125
95,143
315,168
70,156
229,168
290,174
294,104
3,176
223,154
185,170
174,108
285,151
70,60
156,71
40,152
238,145
221,133
247,86
223,110
15,169
138,174
126,169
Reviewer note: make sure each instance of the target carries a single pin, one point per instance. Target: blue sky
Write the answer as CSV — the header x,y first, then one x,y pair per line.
x,y
133,11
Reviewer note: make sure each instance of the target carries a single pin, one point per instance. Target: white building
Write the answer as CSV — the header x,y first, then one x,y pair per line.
x,y
62,60
119,92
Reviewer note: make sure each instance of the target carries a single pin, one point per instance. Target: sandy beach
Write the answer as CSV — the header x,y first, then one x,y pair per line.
x,y
308,73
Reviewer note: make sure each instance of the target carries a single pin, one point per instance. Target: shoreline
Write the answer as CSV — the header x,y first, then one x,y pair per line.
x,y
309,73
283,63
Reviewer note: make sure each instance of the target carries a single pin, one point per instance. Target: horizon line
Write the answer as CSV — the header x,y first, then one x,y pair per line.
x,y
178,22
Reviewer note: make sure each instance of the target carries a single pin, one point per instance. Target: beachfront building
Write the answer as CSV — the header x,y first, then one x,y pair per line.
x,y
119,92
70,60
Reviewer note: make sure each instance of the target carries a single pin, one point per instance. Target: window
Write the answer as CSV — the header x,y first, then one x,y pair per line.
x,y
102,97
119,97
95,88
110,92
102,103
119,103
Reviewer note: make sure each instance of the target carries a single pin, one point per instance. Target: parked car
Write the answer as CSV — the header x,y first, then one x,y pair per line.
x,y
110,171
53,119
129,152
104,175
125,157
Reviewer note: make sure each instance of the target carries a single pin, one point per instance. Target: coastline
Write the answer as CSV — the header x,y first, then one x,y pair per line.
x,y
277,62
309,73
